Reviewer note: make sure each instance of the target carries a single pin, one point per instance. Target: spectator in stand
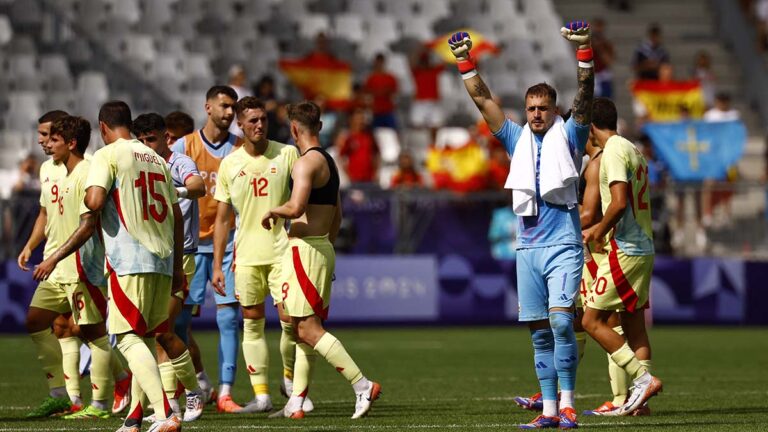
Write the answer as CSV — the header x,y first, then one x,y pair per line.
x,y
406,175
426,111
650,55
238,80
702,71
265,91
360,99
502,233
604,56
722,110
358,150
382,86
761,23
279,126
657,180
322,51
25,196
27,175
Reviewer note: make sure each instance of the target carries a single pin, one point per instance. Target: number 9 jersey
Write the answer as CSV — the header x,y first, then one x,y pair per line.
x,y
254,186
623,162
137,219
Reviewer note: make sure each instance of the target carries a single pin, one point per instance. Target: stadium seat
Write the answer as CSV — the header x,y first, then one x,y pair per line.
x,y
400,8
432,9
349,26
92,92
63,100
503,8
364,8
6,31
399,66
418,27
312,24
23,110
124,10
388,143
23,72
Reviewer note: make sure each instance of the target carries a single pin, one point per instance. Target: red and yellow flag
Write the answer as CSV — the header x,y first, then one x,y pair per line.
x,y
320,75
480,45
670,100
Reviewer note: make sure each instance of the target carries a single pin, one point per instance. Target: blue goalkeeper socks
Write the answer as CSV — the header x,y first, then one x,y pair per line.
x,y
544,361
566,350
226,318
182,324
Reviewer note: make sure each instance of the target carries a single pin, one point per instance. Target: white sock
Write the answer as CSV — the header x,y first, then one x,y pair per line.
x,y
202,378
102,405
288,385
76,400
550,408
362,385
225,390
566,399
262,397
174,404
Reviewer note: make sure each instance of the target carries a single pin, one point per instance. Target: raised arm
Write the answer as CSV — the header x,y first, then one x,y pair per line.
x,y
461,44
578,32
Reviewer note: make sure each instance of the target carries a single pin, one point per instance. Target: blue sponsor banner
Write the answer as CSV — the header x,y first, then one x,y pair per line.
x,y
454,289
697,150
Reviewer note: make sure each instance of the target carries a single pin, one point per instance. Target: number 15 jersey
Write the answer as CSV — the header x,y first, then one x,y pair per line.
x,y
254,186
137,219
623,162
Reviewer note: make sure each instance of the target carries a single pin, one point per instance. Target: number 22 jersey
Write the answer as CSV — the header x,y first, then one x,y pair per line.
x,y
137,219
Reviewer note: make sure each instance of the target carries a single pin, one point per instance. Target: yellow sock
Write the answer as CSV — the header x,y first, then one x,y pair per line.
x,y
185,371
619,382
302,369
168,377
618,376
647,364
288,349
70,363
581,343
101,376
142,363
116,365
256,354
333,351
49,354
625,358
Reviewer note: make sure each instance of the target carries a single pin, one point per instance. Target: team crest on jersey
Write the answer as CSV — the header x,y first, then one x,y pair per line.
x,y
273,169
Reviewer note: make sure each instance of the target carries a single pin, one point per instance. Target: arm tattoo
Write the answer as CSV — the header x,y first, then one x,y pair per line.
x,y
481,90
582,103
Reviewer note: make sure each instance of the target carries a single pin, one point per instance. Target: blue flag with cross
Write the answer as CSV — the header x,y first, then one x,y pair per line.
x,y
698,150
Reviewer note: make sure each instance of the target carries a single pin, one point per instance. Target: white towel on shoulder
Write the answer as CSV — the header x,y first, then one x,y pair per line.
x,y
558,176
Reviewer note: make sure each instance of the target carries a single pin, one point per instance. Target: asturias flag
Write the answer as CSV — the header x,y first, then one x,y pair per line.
x,y
669,100
697,150
480,45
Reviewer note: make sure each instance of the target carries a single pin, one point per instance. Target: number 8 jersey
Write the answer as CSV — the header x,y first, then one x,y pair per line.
x,y
137,219
623,162
253,186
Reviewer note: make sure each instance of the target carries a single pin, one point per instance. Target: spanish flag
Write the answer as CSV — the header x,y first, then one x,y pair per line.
x,y
320,75
480,45
670,100
462,168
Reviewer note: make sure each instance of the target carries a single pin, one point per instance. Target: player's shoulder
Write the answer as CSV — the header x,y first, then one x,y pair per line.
x,y
284,149
236,154
181,158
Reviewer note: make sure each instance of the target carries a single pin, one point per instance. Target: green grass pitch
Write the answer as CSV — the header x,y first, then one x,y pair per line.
x,y
462,379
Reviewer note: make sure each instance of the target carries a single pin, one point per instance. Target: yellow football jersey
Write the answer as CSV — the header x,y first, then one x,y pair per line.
x,y
623,162
137,220
255,185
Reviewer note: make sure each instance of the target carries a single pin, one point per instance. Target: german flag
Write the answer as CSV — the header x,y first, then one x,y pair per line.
x,y
480,45
668,101
324,76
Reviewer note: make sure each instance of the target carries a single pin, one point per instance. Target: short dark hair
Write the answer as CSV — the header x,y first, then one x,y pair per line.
x,y
248,102
147,123
604,115
52,116
654,29
723,97
542,89
221,89
307,114
115,113
180,121
73,128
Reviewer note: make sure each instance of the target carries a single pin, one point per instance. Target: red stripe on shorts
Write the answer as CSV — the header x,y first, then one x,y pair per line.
x,y
309,290
96,294
592,268
128,310
627,294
